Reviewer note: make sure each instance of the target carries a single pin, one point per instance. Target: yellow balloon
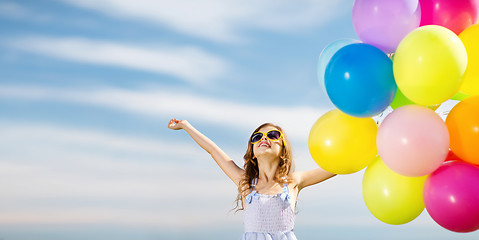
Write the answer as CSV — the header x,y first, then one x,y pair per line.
x,y
391,197
470,39
343,144
428,65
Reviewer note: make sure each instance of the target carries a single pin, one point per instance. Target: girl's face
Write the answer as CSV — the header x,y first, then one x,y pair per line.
x,y
266,146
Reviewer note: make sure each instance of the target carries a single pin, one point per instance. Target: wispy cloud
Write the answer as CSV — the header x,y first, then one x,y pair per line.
x,y
14,10
297,120
108,172
34,135
186,63
219,20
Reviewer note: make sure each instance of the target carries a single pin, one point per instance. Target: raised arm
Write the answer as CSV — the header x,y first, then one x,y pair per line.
x,y
312,177
226,163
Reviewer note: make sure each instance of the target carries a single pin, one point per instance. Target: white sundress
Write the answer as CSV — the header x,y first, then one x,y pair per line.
x,y
268,217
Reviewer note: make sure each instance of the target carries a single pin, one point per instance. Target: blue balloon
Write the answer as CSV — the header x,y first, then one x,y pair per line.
x,y
359,80
326,56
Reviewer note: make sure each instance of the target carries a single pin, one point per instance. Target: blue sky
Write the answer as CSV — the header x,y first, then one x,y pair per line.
x,y
87,88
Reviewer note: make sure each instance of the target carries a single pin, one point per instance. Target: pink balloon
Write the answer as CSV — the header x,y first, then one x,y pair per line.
x,y
384,24
451,196
456,15
413,141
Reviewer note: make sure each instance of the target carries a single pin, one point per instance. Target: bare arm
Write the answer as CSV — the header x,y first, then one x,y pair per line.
x,y
312,177
226,163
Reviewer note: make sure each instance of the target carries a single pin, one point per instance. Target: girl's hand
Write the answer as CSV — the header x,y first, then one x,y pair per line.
x,y
176,124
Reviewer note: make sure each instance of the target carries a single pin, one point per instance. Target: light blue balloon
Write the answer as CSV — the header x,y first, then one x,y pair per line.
x,y
326,56
359,80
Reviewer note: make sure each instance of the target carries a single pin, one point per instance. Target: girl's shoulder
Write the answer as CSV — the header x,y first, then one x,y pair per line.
x,y
293,179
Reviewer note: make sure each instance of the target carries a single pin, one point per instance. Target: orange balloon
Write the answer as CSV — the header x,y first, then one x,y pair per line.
x,y
463,125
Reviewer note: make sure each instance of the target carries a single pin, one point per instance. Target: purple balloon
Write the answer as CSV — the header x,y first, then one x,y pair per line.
x,y
385,23
451,196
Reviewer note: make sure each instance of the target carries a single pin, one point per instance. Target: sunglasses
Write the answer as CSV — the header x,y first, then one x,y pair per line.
x,y
273,135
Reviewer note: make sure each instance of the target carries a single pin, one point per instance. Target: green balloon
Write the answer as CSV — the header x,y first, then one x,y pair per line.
x,y
400,100
460,96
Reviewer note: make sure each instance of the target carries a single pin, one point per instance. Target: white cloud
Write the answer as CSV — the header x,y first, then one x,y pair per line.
x,y
296,120
68,175
223,20
35,136
186,63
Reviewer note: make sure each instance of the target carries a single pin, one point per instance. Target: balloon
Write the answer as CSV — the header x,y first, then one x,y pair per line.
x,y
413,141
451,196
390,197
463,125
384,23
470,39
460,96
343,144
428,65
325,57
359,80
455,15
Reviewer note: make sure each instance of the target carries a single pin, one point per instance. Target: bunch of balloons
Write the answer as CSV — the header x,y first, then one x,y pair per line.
x,y
413,56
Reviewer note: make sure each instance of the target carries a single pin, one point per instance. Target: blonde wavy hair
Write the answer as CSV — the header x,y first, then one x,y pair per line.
x,y
251,170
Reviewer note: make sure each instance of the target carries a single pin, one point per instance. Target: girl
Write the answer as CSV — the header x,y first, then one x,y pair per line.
x,y
267,187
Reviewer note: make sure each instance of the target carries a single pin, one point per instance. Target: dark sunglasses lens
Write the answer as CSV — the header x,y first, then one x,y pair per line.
x,y
256,137
274,135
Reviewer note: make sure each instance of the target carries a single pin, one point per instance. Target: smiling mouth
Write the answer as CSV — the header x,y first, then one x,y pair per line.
x,y
264,145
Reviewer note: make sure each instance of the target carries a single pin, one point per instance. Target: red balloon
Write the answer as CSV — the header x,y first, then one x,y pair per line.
x,y
451,196
451,157
456,15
